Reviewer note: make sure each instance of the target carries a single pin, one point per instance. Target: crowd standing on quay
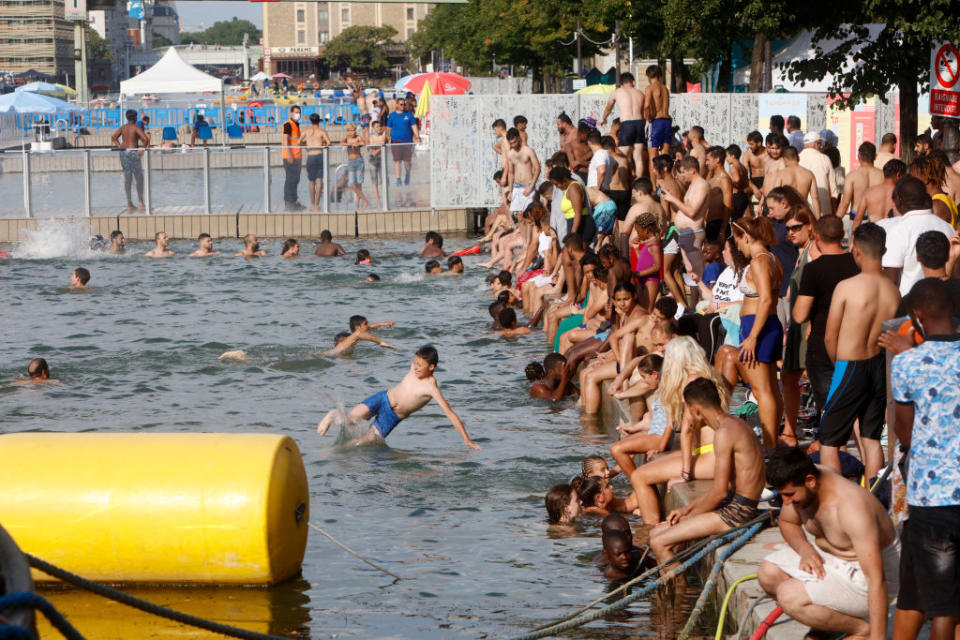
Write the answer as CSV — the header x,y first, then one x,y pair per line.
x,y
729,296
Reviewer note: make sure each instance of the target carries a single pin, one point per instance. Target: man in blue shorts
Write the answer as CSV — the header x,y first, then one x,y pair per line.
x,y
402,132
657,111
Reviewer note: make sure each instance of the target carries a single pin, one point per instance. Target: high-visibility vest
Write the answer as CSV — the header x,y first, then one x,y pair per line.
x,y
291,150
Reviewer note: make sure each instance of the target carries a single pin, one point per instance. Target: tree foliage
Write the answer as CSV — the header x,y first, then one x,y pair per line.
x,y
98,48
360,48
224,32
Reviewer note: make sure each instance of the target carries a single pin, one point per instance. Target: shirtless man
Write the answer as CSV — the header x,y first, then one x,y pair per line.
x,y
575,146
508,324
79,279
698,147
858,390
315,138
738,476
38,372
327,247
657,111
691,213
160,251
888,150
523,171
117,243
569,137
251,248
803,180
388,408
206,247
774,163
501,146
720,200
877,201
632,135
376,139
755,160
852,568
128,138
432,246
740,181
360,329
859,180
643,202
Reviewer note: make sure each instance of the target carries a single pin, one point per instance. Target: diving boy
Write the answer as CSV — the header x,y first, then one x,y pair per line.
x,y
389,408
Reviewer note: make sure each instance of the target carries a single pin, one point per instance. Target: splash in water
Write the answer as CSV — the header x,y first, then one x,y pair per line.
x,y
57,239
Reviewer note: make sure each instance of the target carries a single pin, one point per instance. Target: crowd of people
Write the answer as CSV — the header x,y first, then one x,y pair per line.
x,y
714,289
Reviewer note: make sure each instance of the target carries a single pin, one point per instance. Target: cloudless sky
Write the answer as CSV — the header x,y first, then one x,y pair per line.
x,y
203,13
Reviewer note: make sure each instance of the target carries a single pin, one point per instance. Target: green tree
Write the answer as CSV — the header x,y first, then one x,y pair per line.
x,y
360,48
160,41
224,32
97,48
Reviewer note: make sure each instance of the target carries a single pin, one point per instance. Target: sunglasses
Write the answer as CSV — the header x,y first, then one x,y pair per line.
x,y
795,227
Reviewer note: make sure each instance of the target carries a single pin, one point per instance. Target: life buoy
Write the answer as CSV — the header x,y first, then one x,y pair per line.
x,y
470,251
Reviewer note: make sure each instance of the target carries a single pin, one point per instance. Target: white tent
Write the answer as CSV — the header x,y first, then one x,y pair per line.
x,y
172,75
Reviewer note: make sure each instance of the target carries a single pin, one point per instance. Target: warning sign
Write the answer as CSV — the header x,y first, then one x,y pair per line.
x,y
945,81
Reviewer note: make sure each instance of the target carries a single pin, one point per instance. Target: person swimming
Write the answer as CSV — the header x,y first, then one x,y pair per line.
x,y
79,279
363,257
563,505
38,372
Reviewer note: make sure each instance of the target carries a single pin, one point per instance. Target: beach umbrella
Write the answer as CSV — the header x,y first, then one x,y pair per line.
x,y
423,103
403,81
441,84
280,75
42,87
258,76
67,90
30,102
597,89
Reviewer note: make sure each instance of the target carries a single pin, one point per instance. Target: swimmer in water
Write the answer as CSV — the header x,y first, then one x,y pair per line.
x,y
372,278
454,266
563,505
389,408
117,244
433,268
206,247
160,251
327,247
360,330
251,247
291,248
38,372
363,257
432,246
236,354
79,279
508,324
622,558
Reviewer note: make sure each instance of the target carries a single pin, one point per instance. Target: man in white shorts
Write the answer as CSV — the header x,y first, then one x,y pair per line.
x,y
843,584
523,171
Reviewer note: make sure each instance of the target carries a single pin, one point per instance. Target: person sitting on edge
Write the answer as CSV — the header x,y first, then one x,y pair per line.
x,y
38,372
251,247
433,267
555,382
328,248
363,257
160,251
389,408
508,324
738,477
845,577
454,266
117,244
432,246
206,247
79,279
623,559
563,505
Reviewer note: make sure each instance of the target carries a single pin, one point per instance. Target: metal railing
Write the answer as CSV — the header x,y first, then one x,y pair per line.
x,y
214,179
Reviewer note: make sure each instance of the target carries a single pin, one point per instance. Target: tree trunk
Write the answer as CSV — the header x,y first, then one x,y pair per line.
x,y
756,63
725,77
908,118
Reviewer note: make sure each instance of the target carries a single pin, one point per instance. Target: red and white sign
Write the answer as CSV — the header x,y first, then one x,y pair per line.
x,y
945,81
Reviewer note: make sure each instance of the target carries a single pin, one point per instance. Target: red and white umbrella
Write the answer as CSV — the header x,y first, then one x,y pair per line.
x,y
442,84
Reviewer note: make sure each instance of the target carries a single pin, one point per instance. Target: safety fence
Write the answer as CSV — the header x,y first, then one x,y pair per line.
x,y
215,179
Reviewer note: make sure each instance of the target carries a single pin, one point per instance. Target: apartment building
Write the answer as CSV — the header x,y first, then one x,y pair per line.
x,y
35,35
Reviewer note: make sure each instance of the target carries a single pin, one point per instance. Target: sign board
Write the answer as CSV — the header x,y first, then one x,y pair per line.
x,y
294,52
135,9
945,80
75,10
579,83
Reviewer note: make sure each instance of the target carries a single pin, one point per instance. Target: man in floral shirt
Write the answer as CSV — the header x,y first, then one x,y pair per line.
x,y
926,386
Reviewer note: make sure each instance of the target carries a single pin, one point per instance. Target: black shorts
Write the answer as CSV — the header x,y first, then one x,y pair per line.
x,y
740,203
930,562
315,167
620,197
820,373
858,390
587,230
632,132
757,182
711,230
402,151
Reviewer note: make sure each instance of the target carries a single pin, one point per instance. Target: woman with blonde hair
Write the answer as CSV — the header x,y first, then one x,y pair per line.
x,y
683,360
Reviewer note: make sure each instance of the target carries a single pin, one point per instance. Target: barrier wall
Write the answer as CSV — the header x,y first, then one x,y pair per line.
x,y
463,161
500,86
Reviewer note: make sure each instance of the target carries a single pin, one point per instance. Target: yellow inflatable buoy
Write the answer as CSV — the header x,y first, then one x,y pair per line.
x,y
157,507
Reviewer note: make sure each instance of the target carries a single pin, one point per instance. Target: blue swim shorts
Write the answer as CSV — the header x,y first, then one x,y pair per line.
x,y
661,132
604,214
385,418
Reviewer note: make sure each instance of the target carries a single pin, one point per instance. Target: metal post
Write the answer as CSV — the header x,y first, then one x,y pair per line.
x,y
579,50
266,179
27,205
87,187
616,66
206,180
327,186
385,177
146,183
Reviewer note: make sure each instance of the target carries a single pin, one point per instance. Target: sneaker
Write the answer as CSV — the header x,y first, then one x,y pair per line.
x,y
406,179
399,182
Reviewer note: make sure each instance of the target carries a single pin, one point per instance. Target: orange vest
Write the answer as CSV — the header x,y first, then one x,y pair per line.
x,y
291,151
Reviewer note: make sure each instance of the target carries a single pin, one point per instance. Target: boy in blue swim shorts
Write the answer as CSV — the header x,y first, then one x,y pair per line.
x,y
389,408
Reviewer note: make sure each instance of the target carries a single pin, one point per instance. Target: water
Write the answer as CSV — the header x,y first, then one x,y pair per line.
x,y
465,529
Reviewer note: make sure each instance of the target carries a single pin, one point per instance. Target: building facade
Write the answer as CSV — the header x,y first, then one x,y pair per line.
x,y
295,33
34,35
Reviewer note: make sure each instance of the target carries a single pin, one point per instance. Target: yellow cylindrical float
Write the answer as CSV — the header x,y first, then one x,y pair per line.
x,y
157,507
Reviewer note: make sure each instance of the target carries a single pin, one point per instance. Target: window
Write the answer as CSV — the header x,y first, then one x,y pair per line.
x,y
301,37
410,33
410,13
345,15
323,36
323,16
300,15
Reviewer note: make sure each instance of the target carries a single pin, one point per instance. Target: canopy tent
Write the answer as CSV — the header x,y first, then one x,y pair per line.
x,y
259,76
171,74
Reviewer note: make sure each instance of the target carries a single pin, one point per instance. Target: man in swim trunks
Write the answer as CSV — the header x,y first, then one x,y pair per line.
x,y
859,180
128,138
698,147
755,160
720,200
389,408
737,482
523,171
858,389
315,138
206,247
776,143
160,251
691,213
740,181
657,112
632,134
798,177
852,568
